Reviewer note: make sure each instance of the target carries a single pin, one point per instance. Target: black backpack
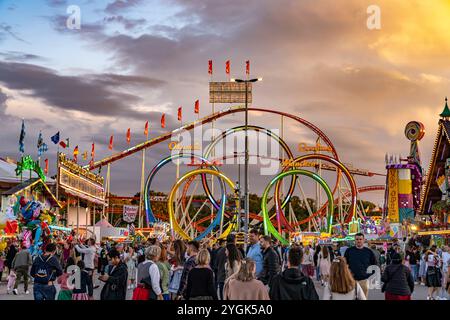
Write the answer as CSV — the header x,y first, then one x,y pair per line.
x,y
44,271
308,290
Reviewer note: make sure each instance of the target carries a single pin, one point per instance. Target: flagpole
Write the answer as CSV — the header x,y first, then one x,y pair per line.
x,y
141,196
213,154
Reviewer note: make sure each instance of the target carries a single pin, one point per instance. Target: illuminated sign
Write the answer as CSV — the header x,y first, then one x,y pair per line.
x,y
292,163
177,146
80,182
303,147
354,226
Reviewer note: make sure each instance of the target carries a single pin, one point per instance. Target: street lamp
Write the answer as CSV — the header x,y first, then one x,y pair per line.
x,y
246,196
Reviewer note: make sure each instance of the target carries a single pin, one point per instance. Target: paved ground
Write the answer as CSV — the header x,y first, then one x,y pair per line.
x,y
420,293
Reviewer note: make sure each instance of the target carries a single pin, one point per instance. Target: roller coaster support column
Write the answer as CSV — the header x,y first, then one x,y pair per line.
x,y
247,202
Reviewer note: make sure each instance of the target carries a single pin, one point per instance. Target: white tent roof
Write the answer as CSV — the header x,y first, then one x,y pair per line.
x,y
104,224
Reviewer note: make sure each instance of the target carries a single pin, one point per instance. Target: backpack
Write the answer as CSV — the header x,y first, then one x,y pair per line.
x,y
44,271
308,291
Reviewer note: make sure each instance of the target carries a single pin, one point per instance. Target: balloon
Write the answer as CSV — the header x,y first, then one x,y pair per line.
x,y
22,201
3,245
11,227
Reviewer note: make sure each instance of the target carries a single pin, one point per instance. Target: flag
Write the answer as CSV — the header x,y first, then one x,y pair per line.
x,y
180,114
227,67
247,67
197,107
85,155
63,144
146,129
68,143
75,154
55,138
93,151
22,138
46,166
111,140
42,147
210,67
128,136
163,121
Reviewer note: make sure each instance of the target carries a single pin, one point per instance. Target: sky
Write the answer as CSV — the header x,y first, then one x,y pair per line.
x,y
133,60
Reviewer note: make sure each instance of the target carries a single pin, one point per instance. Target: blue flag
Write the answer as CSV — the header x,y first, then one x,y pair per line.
x,y
41,145
55,138
22,138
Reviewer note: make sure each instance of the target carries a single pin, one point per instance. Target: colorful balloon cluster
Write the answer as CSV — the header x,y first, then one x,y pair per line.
x,y
26,217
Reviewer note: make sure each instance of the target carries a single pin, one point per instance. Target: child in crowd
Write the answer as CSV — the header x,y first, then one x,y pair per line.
x,y
11,281
85,292
66,288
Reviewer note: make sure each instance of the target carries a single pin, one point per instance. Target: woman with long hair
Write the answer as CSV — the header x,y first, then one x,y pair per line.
x,y
324,263
178,257
342,285
243,285
164,270
433,275
233,263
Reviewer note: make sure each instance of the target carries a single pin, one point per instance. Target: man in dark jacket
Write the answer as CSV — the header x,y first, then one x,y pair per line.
x,y
292,284
45,270
359,258
10,255
192,250
115,287
271,261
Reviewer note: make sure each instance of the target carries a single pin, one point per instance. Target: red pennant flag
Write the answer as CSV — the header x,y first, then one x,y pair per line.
x,y
46,166
62,144
247,67
180,114
111,141
75,154
146,129
197,107
227,67
210,67
93,151
128,136
163,121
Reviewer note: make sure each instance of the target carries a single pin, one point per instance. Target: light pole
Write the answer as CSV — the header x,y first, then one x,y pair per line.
x,y
246,196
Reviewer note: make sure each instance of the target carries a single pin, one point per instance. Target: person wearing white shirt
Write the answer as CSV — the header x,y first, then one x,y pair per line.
x,y
150,268
89,256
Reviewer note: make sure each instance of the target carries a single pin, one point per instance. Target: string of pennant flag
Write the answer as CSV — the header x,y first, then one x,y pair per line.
x,y
65,144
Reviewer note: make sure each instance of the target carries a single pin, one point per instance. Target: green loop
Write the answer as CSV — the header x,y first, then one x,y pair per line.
x,y
268,226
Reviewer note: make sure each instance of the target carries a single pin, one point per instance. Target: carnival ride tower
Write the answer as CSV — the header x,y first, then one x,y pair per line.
x,y
404,181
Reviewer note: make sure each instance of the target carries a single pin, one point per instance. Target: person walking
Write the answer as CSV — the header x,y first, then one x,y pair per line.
x,y
342,285
177,260
316,262
422,267
233,263
411,257
89,252
45,269
324,262
359,258
115,287
148,276
200,284
398,282
130,259
433,278
244,285
191,262
308,260
85,291
21,266
164,271
271,265
65,292
219,268
254,250
10,254
292,284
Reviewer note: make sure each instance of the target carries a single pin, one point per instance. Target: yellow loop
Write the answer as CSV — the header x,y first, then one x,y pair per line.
x,y
173,223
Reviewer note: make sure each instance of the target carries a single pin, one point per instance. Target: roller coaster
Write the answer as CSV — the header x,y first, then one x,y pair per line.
x,y
225,211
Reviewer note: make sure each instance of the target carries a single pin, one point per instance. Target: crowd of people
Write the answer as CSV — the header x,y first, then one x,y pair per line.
x,y
223,270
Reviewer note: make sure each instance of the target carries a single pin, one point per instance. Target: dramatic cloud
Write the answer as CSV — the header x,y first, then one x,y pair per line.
x,y
128,24
96,95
